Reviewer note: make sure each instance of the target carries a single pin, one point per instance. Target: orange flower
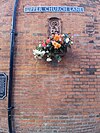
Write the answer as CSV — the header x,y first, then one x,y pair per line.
x,y
57,37
56,45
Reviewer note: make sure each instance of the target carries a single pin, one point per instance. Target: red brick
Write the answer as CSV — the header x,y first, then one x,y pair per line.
x,y
46,98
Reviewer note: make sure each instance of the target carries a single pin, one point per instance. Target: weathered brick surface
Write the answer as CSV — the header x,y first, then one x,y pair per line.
x,y
47,99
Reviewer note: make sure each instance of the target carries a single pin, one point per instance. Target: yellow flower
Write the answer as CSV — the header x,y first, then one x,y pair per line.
x,y
56,45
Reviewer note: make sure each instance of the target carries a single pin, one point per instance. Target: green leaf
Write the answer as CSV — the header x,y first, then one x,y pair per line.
x,y
58,58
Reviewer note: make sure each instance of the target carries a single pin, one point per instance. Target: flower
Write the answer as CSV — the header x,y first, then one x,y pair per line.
x,y
71,42
67,40
53,48
48,41
48,59
57,37
38,54
39,44
56,45
43,44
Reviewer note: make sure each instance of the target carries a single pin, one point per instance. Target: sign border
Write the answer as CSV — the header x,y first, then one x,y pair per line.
x,y
5,86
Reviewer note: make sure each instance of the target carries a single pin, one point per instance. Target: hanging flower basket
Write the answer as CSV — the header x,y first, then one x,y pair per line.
x,y
54,48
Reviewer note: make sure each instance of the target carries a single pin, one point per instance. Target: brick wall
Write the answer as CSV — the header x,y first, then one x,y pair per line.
x,y
5,25
47,99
